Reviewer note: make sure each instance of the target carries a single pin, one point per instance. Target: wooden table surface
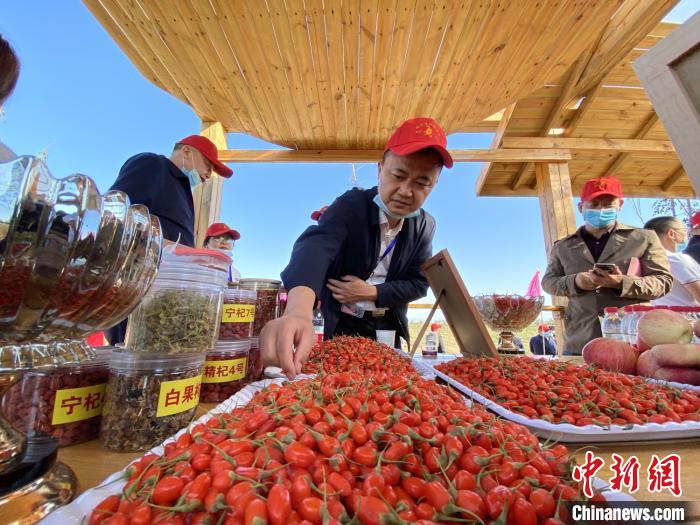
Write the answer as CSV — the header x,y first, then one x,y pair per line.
x,y
92,463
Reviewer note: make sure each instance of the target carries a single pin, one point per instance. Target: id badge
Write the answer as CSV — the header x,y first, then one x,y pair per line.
x,y
353,309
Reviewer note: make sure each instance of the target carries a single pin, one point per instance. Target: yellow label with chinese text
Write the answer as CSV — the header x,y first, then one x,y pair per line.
x,y
238,313
178,396
224,371
76,404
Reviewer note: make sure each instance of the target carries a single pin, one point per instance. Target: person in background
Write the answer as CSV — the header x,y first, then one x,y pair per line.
x,y
542,343
685,270
164,185
604,263
220,237
363,259
693,248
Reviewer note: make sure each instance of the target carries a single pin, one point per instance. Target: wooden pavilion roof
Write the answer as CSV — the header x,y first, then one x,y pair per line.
x,y
340,75
616,109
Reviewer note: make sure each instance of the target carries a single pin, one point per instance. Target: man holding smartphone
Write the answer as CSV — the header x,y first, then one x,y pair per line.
x,y
604,263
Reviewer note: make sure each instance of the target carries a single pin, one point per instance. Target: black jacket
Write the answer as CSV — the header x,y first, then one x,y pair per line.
x,y
346,242
693,248
154,181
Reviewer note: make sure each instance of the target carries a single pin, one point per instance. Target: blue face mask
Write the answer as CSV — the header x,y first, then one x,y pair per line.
x,y
379,202
192,176
600,218
682,246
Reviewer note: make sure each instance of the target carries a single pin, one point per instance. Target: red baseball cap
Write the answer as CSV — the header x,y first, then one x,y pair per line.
x,y
207,148
543,328
594,188
219,228
317,214
419,133
695,220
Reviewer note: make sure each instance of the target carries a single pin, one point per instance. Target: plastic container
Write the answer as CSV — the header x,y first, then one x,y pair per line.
x,y
318,323
149,398
267,291
629,313
181,312
63,401
630,327
611,325
430,349
281,302
255,364
225,371
237,314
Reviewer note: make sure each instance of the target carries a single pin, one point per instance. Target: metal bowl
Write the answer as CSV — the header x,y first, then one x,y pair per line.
x,y
509,311
71,261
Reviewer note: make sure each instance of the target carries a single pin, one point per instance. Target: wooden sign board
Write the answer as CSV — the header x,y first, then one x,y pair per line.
x,y
457,306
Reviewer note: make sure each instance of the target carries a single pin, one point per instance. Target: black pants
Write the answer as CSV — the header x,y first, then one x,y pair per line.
x,y
366,326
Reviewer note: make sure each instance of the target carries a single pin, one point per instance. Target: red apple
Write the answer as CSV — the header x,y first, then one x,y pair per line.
x,y
610,354
640,346
658,327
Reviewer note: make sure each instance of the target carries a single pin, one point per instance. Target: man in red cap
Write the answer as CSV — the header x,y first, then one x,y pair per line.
x,y
693,248
165,185
222,238
604,263
363,258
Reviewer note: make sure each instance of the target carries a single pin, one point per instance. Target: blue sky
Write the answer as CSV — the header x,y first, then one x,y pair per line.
x,y
83,102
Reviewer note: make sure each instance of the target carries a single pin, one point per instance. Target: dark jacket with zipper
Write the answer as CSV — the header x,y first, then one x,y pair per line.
x,y
693,248
346,241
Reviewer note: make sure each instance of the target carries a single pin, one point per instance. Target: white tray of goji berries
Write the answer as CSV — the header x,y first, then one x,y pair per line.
x,y
589,433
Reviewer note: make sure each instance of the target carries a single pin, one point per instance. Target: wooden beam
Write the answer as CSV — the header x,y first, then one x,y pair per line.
x,y
518,179
640,134
459,155
672,179
207,196
629,25
622,145
495,144
587,103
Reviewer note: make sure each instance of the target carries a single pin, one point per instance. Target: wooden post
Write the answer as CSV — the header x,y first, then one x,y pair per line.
x,y
558,220
207,196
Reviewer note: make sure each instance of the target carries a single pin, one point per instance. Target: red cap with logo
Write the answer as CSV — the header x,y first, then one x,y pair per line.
x,y
317,214
207,148
218,229
543,328
695,220
594,188
419,133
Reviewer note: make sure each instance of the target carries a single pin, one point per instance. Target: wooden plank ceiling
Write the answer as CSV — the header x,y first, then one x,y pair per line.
x,y
334,75
615,107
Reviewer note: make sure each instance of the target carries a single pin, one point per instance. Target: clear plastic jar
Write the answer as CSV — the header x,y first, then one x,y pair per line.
x,y
255,364
225,371
267,291
181,312
64,401
237,314
611,325
149,398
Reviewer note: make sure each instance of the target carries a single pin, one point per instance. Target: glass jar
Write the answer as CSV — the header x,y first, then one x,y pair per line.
x,y
255,364
266,291
237,314
181,312
149,398
225,371
63,401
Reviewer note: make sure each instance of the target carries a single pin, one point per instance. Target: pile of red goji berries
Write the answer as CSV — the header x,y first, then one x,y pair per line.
x,y
349,448
357,354
562,392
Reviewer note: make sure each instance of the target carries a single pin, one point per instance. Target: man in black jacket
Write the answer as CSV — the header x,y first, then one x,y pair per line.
x,y
363,258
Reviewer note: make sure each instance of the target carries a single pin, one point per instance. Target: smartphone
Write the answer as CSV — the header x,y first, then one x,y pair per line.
x,y
604,267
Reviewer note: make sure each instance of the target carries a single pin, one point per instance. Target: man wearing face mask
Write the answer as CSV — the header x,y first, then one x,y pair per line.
x,y
165,185
685,271
604,263
220,237
363,258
